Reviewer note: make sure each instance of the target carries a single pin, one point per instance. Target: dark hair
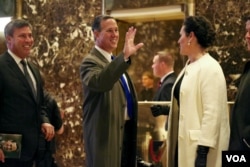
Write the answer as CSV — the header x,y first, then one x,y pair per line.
x,y
97,21
17,23
202,29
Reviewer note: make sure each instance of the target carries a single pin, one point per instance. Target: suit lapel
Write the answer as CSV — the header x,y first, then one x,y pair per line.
x,y
36,77
18,72
100,57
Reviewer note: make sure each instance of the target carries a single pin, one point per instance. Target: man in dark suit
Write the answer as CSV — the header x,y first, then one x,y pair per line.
x,y
163,67
240,119
54,114
21,98
109,110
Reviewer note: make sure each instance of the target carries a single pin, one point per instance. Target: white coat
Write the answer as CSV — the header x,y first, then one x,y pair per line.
x,y
202,117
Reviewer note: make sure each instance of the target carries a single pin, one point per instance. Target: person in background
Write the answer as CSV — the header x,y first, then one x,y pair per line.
x,y
55,116
163,67
240,119
147,93
198,123
109,98
21,95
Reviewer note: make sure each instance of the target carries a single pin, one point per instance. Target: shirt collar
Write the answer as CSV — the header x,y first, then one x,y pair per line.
x,y
16,58
104,53
162,78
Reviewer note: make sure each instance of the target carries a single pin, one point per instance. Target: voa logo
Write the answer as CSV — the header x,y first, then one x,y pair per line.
x,y
236,158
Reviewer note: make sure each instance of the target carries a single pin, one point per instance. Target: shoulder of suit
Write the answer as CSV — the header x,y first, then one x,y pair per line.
x,y
5,57
170,79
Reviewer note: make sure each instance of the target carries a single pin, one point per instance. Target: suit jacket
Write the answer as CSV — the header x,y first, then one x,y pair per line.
x,y
20,111
202,117
240,120
164,93
54,116
107,137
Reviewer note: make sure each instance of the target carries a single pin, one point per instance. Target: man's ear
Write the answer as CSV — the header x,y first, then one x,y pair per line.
x,y
8,38
96,33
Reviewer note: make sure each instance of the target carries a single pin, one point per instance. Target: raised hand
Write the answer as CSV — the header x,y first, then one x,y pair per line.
x,y
129,46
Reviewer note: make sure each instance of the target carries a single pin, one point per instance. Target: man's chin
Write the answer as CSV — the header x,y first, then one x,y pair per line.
x,y
114,46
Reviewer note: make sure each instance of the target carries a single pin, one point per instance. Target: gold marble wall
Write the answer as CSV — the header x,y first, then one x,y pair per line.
x,y
230,48
63,36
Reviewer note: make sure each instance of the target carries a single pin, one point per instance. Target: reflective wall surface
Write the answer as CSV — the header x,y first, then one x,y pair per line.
x,y
230,49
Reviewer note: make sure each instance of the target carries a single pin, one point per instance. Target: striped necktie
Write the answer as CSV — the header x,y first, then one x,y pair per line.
x,y
27,76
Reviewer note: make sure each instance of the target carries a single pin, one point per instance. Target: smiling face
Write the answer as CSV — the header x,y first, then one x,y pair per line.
x,y
9,146
21,42
247,36
108,37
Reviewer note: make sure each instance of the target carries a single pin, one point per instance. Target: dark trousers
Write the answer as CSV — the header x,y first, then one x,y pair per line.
x,y
129,144
47,161
16,163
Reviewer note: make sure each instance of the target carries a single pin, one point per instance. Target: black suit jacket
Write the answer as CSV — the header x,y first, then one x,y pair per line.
x,y
164,93
20,111
240,119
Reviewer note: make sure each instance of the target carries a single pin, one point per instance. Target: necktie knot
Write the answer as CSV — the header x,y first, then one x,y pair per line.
x,y
23,62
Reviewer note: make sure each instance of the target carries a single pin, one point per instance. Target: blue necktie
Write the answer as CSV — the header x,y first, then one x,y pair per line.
x,y
127,93
128,96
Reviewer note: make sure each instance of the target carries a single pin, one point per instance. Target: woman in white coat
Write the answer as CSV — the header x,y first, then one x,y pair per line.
x,y
198,127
